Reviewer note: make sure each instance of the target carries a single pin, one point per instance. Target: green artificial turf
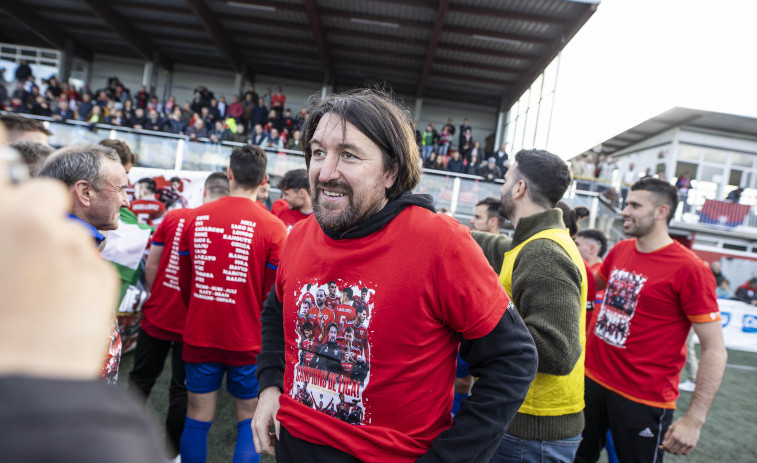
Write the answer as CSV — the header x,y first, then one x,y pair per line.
x,y
730,434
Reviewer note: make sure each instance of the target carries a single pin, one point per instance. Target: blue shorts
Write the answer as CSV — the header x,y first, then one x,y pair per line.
x,y
462,367
208,376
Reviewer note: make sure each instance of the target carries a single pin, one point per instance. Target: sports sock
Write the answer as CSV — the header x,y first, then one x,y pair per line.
x,y
457,401
244,452
194,441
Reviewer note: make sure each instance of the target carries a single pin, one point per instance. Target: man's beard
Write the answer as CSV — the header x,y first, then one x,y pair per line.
x,y
347,218
506,206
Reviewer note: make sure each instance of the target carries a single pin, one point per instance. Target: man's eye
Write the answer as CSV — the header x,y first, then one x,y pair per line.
x,y
347,155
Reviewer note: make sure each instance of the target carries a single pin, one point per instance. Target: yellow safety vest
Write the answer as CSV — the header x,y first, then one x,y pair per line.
x,y
551,395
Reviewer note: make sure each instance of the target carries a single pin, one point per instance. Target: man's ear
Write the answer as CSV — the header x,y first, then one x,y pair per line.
x,y
391,175
662,212
229,174
265,180
520,189
83,192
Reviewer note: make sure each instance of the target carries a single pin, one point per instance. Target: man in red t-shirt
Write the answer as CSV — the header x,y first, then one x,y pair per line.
x,y
229,252
163,314
656,289
147,208
295,203
363,164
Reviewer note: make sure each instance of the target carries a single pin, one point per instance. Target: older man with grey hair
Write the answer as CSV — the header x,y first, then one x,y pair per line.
x,y
97,182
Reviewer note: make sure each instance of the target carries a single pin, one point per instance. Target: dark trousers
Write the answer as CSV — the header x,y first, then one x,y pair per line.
x,y
290,449
637,429
149,357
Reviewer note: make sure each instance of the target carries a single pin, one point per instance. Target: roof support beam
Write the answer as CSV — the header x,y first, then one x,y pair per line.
x,y
547,56
42,28
128,33
314,19
220,37
497,13
432,47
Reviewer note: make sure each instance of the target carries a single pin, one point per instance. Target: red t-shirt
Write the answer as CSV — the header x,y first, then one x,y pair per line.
x,y
638,343
416,310
280,208
344,313
147,210
164,311
591,294
230,242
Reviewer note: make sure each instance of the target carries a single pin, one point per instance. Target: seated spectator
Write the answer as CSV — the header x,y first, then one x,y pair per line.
x,y
153,122
474,167
139,119
95,116
748,292
197,130
84,107
303,114
116,119
129,115
170,104
259,137
717,271
431,161
219,132
456,164
62,112
142,97
501,157
724,290
175,124
295,142
40,107
214,111
240,136
440,163
274,140
491,171
477,150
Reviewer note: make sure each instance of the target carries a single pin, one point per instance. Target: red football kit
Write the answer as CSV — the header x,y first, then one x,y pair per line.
x,y
147,210
637,345
164,311
280,208
413,340
320,320
231,242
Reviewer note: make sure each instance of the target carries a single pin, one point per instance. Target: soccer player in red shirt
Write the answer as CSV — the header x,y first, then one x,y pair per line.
x,y
332,300
295,203
147,208
163,314
230,253
320,315
656,291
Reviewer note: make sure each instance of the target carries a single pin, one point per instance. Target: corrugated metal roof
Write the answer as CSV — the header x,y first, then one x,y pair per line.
x,y
479,43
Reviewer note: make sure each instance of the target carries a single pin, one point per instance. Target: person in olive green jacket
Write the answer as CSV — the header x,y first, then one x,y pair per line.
x,y
543,274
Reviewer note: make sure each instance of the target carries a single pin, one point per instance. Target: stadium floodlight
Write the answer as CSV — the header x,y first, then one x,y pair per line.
x,y
252,6
496,39
371,22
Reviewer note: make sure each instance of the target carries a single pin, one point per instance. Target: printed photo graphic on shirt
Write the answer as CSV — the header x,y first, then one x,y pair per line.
x,y
619,305
333,342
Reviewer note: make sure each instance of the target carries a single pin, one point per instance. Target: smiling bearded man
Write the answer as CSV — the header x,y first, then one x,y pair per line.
x,y
370,234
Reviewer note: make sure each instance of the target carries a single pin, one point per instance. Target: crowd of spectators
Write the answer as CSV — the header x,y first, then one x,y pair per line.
x,y
259,119
440,152
204,117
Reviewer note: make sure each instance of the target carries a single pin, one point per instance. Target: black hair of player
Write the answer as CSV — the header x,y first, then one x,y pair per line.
x,y
217,184
332,282
248,164
377,116
568,217
597,236
364,290
546,175
663,192
150,183
175,179
348,292
492,208
296,179
125,153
